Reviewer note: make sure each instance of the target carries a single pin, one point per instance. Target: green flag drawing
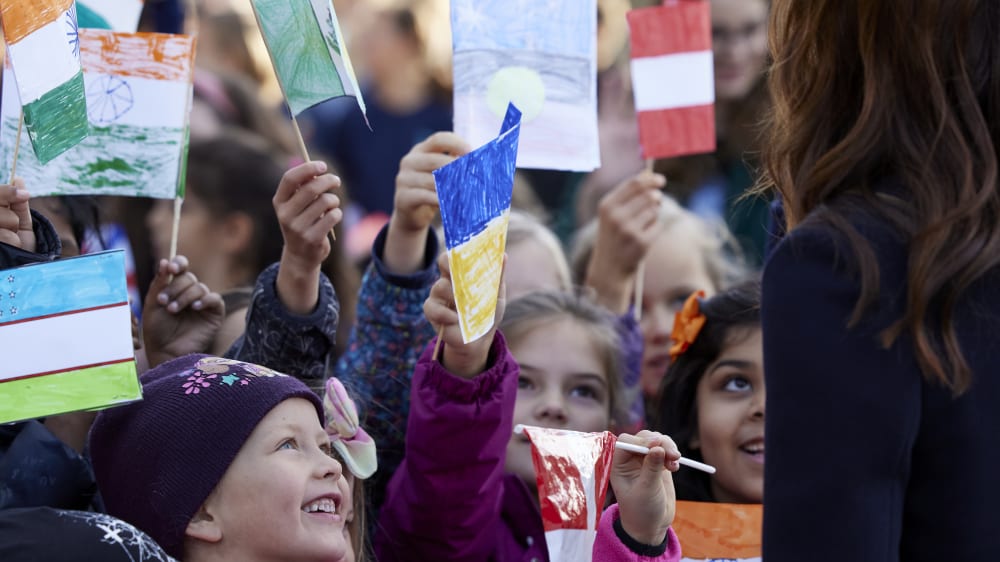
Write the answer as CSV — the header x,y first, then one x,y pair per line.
x,y
308,52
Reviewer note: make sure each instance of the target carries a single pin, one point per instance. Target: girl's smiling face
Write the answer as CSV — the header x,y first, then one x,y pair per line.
x,y
730,432
562,385
282,497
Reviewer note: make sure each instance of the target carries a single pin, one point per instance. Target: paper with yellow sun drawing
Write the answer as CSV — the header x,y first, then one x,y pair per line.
x,y
540,55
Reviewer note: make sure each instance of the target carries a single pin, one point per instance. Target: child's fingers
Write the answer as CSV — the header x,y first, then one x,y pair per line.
x,y
294,178
415,198
307,194
187,297
177,265
319,209
425,162
322,227
210,302
179,284
414,180
447,142
444,266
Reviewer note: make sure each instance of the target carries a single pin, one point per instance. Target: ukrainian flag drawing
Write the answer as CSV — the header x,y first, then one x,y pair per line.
x,y
66,337
474,192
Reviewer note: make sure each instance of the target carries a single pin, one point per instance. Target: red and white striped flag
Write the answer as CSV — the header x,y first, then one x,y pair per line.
x,y
572,471
673,78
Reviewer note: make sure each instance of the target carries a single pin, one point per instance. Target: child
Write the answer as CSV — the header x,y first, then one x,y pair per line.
x,y
464,489
683,255
224,460
712,398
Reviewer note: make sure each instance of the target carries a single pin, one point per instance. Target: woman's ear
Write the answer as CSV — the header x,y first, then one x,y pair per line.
x,y
237,231
204,527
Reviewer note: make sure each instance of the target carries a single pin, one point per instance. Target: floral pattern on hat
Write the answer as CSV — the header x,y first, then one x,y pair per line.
x,y
218,371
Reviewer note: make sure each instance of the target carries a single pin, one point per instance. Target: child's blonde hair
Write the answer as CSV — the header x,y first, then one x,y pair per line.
x,y
524,227
533,310
720,251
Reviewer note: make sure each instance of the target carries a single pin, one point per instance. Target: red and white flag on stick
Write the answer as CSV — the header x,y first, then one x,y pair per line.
x,y
673,78
572,471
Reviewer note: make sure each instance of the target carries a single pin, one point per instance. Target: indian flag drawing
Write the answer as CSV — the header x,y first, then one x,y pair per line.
x,y
308,51
138,91
44,49
116,15
66,337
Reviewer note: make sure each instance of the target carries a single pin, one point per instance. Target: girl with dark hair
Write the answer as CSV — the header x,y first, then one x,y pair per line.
x,y
712,398
880,306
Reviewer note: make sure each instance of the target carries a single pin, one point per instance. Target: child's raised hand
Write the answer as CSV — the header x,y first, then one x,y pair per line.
x,y
307,211
644,487
628,224
461,359
416,203
180,315
15,216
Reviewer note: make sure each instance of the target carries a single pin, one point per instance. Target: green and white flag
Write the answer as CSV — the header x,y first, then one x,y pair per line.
x,y
44,50
138,88
308,51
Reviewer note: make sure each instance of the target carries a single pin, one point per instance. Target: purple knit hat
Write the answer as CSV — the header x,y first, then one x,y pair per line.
x,y
156,461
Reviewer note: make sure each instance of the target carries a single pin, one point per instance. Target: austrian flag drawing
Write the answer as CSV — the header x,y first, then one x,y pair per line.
x,y
672,78
44,49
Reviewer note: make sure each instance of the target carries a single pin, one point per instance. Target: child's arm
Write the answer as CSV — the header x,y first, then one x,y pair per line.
x,y
628,223
638,526
292,319
391,329
181,315
443,502
415,203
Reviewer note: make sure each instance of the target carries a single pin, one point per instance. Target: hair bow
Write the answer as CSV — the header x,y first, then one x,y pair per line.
x,y
687,325
346,435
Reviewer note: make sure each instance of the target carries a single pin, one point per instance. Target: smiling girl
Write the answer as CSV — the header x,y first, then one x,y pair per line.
x,y
712,398
224,460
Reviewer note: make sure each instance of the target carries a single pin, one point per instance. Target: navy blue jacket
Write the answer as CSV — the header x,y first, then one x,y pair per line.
x,y
866,459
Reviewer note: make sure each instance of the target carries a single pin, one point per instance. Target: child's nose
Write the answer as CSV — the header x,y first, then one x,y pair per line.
x,y
551,410
330,467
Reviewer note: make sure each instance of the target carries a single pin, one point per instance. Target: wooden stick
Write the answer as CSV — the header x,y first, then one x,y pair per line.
x,y
640,272
302,143
437,345
178,201
17,146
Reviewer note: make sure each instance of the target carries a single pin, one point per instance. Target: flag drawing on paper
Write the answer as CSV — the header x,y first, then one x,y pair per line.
x,y
44,49
719,531
540,55
308,51
474,193
138,88
116,15
572,470
66,336
673,78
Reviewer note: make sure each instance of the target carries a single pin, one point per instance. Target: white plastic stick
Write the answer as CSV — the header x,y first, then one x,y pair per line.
x,y
519,429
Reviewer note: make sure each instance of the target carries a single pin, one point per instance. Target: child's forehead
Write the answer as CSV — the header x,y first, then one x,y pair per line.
x,y
562,344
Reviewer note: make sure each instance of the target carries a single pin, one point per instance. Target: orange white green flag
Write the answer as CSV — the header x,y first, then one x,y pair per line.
x,y
138,88
43,46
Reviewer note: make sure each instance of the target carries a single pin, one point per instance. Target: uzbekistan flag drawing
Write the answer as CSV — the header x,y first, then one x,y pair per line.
x,y
138,98
66,337
44,50
474,193
673,78
308,51
572,470
117,15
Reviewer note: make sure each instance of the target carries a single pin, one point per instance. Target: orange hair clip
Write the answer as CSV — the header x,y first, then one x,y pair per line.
x,y
687,325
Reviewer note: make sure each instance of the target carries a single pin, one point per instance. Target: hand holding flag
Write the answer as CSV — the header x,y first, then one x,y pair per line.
x,y
644,487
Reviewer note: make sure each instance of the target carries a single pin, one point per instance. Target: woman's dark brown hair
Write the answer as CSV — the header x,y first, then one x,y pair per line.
x,y
907,91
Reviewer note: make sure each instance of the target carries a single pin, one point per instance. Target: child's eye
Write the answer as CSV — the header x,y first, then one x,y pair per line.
x,y
524,383
289,444
737,384
585,392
